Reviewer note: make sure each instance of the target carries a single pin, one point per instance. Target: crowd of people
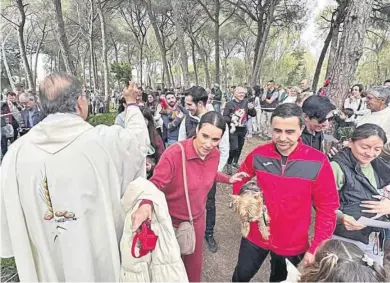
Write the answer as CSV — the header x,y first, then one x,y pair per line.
x,y
92,194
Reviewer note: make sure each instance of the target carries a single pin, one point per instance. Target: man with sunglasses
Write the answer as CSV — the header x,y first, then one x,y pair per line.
x,y
318,113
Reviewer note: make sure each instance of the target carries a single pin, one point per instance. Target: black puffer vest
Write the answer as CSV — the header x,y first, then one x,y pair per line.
x,y
191,124
358,188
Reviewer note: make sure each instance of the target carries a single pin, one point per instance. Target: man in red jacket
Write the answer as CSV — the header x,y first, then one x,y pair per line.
x,y
293,177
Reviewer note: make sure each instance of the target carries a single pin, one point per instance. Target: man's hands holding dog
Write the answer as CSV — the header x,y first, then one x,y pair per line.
x,y
238,177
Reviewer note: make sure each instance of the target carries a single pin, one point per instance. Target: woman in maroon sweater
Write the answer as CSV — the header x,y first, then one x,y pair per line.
x,y
202,158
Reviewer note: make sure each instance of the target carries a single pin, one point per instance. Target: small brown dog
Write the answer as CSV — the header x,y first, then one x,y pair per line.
x,y
250,206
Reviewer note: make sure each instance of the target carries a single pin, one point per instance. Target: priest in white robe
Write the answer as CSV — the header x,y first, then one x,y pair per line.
x,y
61,186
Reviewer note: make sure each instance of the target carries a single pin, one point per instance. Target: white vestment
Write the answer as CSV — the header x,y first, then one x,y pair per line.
x,y
61,184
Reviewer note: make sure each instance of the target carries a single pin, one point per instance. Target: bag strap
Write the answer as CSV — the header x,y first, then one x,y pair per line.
x,y
183,157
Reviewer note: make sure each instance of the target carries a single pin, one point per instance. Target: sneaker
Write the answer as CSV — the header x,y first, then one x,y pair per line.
x,y
212,245
229,169
235,165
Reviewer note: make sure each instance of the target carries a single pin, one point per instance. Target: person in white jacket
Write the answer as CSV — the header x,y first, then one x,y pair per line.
x,y
196,102
62,184
357,103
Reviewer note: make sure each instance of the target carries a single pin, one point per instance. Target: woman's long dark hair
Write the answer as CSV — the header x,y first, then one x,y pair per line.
x,y
153,135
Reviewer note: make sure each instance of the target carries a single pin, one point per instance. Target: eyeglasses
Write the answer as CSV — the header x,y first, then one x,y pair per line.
x,y
321,121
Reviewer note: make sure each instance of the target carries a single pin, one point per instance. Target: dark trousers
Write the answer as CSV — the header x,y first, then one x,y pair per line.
x,y
4,145
236,141
251,257
211,210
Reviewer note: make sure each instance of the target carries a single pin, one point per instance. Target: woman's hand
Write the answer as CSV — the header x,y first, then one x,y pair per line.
x,y
238,177
143,213
380,207
351,224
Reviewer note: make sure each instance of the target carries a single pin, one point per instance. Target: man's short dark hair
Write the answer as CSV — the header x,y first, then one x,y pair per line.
x,y
198,94
288,110
386,81
317,107
271,81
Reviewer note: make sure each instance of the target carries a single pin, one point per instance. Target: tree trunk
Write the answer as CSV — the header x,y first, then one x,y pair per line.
x,y
160,43
105,60
216,42
350,50
90,70
321,59
194,62
62,39
92,64
260,54
259,36
37,52
207,71
172,83
22,45
141,61
178,14
7,69
333,50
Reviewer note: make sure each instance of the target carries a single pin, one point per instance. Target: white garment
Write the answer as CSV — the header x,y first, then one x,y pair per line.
x,y
164,263
382,119
86,170
290,99
224,145
353,104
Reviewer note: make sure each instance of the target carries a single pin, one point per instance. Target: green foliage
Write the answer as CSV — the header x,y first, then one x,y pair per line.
x,y
107,119
122,71
9,273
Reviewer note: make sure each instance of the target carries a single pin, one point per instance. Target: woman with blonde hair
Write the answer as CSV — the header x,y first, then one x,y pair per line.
x,y
293,95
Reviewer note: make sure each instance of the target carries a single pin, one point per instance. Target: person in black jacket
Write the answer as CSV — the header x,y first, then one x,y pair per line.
x,y
318,113
217,97
236,115
362,178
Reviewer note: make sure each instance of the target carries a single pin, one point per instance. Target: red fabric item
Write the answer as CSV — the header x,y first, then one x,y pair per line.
x,y
164,103
146,239
290,199
201,174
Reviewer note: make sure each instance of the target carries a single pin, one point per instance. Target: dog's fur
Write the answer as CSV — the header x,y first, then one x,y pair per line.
x,y
249,206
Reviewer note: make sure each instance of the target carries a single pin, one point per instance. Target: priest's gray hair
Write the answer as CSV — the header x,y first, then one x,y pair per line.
x,y
381,92
59,92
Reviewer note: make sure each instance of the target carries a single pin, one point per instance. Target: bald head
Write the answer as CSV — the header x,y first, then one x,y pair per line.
x,y
59,93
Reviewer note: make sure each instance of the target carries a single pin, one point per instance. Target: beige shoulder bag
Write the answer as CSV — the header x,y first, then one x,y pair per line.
x,y
185,233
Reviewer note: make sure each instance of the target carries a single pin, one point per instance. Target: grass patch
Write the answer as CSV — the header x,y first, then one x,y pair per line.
x,y
9,273
102,119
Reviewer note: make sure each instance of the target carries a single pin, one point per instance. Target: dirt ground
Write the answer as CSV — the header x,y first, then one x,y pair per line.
x,y
219,267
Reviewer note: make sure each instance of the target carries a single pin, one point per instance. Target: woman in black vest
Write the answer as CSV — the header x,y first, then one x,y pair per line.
x,y
362,177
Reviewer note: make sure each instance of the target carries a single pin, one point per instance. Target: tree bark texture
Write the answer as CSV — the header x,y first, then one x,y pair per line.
x,y
62,38
7,68
350,50
260,54
194,61
22,45
178,14
105,60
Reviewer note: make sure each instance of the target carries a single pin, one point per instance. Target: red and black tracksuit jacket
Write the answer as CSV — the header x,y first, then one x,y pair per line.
x,y
290,191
